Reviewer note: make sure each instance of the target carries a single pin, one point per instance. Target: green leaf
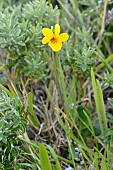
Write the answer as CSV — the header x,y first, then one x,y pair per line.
x,y
44,159
1,135
82,116
96,97
34,120
58,167
1,124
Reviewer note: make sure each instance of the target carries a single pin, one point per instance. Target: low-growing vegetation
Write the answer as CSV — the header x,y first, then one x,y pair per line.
x,y
56,85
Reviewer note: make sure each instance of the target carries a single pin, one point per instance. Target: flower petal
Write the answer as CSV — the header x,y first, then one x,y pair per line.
x,y
55,46
45,40
63,37
57,29
47,32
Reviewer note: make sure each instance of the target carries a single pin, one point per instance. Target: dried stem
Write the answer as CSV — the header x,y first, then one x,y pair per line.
x,y
103,22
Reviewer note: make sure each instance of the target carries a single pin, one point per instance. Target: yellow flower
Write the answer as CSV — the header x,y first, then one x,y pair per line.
x,y
54,38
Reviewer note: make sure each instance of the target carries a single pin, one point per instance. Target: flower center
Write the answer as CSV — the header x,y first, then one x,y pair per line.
x,y
54,40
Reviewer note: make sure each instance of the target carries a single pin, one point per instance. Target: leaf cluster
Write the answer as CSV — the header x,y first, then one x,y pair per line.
x,y
34,66
12,122
39,11
83,61
20,32
85,36
108,80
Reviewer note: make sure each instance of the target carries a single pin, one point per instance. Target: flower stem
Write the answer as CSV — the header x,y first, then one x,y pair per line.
x,y
56,76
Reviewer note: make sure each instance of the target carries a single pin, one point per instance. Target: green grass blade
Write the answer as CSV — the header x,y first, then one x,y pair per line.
x,y
44,159
55,157
101,103
97,101
107,60
109,68
33,119
5,89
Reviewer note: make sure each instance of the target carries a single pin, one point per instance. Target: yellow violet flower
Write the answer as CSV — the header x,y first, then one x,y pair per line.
x,y
54,38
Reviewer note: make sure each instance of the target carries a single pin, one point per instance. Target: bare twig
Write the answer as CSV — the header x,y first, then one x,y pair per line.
x,y
103,21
